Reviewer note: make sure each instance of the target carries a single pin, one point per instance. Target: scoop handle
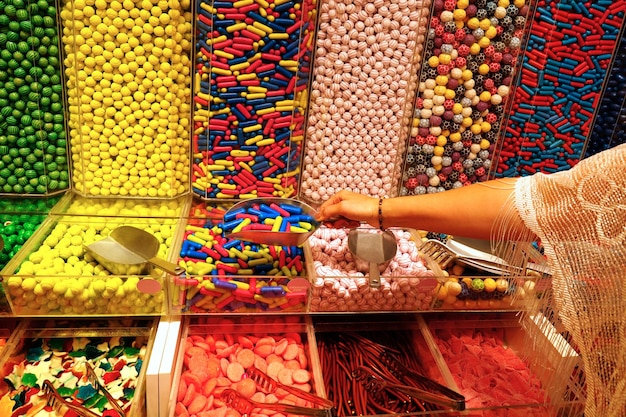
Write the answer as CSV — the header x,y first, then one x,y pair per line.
x,y
167,266
374,275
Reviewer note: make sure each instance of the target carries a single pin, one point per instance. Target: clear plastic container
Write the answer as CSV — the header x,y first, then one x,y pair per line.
x,y
337,285
392,349
216,354
55,350
33,145
252,69
54,275
471,58
363,89
128,78
500,370
226,275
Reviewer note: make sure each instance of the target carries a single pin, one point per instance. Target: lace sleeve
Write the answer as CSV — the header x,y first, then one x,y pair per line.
x,y
580,217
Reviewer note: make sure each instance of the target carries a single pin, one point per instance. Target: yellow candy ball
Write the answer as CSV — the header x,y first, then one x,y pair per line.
x,y
473,23
490,284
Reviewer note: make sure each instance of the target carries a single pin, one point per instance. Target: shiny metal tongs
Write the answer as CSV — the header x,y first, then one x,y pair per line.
x,y
270,385
98,386
374,383
246,406
58,403
442,395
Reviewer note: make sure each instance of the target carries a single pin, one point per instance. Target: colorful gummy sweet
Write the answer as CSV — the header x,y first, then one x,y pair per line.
x,y
489,373
128,71
33,149
252,67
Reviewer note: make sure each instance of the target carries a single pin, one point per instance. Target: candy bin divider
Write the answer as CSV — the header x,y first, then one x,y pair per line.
x,y
12,341
434,350
168,364
311,275
553,358
153,402
314,359
177,364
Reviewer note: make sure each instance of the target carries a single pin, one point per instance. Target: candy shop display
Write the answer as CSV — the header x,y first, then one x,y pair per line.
x,y
268,362
33,148
231,275
470,60
55,276
364,82
252,66
361,358
570,50
337,285
128,78
484,356
52,359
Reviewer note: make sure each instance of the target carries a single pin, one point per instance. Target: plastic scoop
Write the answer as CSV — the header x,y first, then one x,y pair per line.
x,y
270,221
130,251
372,251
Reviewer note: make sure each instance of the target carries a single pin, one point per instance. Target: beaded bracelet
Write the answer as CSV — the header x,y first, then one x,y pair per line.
x,y
380,214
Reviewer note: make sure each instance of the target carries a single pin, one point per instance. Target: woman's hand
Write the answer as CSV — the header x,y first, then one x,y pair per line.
x,y
351,206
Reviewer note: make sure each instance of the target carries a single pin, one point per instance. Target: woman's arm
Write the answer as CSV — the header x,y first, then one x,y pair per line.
x,y
469,211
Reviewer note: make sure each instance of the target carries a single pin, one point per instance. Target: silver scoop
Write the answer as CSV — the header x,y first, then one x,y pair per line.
x,y
372,252
268,237
130,251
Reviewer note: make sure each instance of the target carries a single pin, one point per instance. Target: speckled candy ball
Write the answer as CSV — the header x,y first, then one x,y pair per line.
x,y
367,59
33,151
128,72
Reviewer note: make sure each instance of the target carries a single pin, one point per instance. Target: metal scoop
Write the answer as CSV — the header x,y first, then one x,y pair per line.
x,y
130,251
372,251
254,233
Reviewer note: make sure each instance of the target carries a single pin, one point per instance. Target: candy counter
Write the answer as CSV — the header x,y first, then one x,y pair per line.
x,y
160,115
